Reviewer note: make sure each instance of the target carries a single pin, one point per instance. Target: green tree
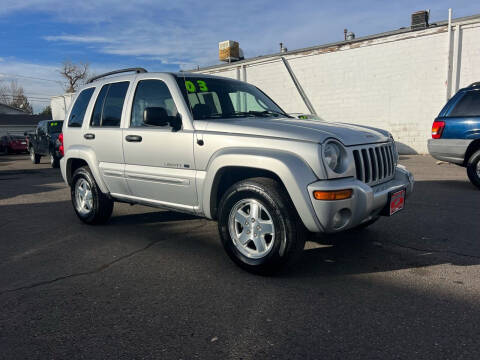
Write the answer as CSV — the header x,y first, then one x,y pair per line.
x,y
47,111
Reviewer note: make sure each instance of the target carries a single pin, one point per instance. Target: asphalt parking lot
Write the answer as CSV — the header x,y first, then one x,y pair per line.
x,y
155,284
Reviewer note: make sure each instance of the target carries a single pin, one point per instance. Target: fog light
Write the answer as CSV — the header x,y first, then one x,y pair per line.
x,y
341,218
333,194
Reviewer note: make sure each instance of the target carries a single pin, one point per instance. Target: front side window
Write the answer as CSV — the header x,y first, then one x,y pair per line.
x,y
109,105
211,98
151,94
79,108
468,105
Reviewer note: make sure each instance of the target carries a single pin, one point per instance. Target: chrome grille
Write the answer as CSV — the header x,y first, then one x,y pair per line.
x,y
374,163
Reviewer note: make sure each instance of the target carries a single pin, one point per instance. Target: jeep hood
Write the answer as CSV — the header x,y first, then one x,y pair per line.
x,y
296,129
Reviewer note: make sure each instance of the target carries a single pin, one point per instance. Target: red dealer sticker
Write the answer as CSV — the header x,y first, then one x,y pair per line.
x,y
397,201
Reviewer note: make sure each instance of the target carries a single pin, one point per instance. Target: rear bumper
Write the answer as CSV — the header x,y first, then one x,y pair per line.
x,y
449,150
18,148
366,202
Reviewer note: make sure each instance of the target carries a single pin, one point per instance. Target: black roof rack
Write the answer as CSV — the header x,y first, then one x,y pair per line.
x,y
137,70
475,84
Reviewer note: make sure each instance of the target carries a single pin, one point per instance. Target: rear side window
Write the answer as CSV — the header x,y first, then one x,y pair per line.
x,y
109,105
468,105
79,108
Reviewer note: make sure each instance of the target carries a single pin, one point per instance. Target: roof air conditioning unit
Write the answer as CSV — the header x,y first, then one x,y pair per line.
x,y
420,19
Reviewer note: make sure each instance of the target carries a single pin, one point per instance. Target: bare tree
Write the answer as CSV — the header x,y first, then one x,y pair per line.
x,y
12,94
74,74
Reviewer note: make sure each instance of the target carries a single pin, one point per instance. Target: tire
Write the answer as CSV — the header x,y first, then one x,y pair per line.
x,y
34,157
97,207
473,169
281,237
54,161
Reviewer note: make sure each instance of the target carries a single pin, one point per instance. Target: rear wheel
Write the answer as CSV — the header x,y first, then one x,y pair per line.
x,y
90,204
34,157
473,169
259,226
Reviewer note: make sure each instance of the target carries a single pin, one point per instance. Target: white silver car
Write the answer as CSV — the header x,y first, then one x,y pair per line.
x,y
222,149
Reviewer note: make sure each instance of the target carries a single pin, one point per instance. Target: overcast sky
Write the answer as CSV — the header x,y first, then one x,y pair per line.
x,y
36,36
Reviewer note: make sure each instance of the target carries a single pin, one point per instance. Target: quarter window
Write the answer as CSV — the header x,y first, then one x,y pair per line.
x,y
79,108
109,105
468,105
151,93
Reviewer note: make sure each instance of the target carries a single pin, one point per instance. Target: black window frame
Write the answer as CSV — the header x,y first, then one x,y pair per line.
x,y
69,122
103,105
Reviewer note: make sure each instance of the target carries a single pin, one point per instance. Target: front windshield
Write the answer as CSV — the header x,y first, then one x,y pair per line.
x,y
55,127
213,98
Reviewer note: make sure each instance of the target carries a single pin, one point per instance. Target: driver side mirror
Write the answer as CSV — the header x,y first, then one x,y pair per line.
x,y
158,116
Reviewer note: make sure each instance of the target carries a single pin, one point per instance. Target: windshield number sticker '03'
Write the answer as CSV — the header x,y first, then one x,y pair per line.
x,y
202,86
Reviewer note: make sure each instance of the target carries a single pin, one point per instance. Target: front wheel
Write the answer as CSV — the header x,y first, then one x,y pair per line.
x,y
259,226
473,169
34,157
90,204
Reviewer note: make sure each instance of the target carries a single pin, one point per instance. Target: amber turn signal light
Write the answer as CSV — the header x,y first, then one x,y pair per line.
x,y
333,195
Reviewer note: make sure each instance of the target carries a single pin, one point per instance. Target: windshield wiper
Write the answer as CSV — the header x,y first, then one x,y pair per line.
x,y
273,112
252,113
264,113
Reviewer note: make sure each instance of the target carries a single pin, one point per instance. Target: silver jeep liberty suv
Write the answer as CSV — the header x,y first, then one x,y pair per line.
x,y
222,149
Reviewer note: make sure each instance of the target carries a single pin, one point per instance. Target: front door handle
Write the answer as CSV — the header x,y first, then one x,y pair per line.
x,y
133,138
89,136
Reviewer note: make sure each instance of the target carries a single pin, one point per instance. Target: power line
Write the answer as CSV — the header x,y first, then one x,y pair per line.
x,y
27,93
29,77
27,96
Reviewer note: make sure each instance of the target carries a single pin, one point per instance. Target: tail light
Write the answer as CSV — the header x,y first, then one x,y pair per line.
x,y
60,148
437,129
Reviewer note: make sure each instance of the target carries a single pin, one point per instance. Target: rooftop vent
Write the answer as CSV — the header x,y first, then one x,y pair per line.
x,y
420,19
282,48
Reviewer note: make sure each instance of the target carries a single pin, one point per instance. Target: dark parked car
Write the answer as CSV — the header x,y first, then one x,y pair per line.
x,y
44,142
13,144
456,132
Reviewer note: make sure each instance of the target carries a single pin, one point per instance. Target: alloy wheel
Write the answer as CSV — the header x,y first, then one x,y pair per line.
x,y
251,228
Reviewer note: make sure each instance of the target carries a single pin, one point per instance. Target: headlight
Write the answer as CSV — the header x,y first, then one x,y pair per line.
x,y
334,155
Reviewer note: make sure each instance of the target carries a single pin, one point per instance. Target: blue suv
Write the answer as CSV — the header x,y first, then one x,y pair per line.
x,y
456,132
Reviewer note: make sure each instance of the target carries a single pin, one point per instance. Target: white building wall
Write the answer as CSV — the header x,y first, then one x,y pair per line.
x,y
60,105
396,82
469,48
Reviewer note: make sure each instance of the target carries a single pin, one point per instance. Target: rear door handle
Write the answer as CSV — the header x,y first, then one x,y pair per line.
x,y
133,138
89,136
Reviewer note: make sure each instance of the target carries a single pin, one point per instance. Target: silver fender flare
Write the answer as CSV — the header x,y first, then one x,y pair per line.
x,y
88,155
294,172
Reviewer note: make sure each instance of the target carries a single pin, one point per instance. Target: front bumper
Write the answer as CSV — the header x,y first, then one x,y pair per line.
x,y
366,202
449,150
